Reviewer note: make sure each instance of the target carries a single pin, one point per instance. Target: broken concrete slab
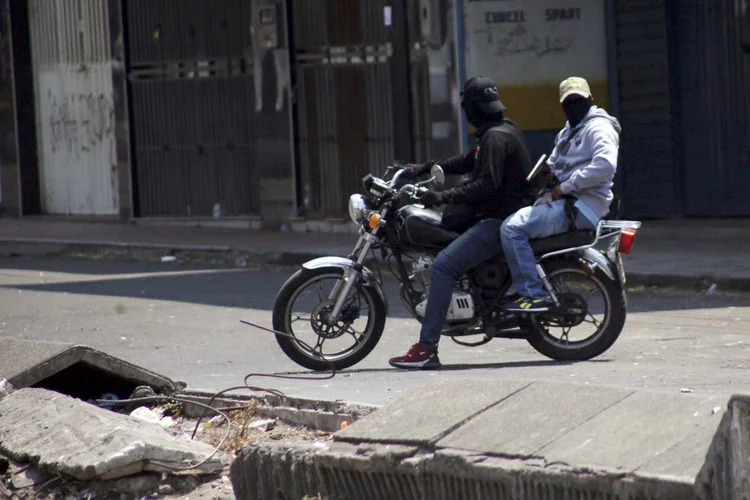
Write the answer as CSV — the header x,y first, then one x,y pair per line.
x,y
27,363
66,435
377,471
507,439
725,474
429,413
521,425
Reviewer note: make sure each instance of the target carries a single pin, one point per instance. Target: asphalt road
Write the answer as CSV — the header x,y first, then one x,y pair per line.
x,y
183,321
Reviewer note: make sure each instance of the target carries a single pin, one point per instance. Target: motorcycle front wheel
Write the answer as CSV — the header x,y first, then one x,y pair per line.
x,y
595,308
301,310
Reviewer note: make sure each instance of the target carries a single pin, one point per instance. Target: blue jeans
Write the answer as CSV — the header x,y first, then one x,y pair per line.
x,y
478,244
527,224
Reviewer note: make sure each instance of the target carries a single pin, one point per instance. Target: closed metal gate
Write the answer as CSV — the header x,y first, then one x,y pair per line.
x,y
353,88
715,95
72,69
647,166
211,133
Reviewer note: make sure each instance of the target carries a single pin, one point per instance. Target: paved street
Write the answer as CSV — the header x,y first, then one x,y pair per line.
x,y
183,321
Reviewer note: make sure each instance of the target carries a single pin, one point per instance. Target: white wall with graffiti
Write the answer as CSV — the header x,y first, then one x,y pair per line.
x,y
530,46
74,107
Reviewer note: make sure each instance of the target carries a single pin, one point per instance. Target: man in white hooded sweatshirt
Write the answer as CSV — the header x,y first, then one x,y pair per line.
x,y
584,161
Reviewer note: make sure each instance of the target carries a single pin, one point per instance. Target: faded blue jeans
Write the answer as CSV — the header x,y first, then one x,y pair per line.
x,y
527,224
477,244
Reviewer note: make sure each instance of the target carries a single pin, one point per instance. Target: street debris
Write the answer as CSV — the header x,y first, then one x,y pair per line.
x,y
168,258
245,426
686,391
264,425
148,415
5,388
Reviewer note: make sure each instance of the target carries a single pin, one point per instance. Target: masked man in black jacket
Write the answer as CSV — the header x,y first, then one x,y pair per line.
x,y
496,188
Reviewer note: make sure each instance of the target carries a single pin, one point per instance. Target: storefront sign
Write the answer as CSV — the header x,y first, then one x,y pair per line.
x,y
529,46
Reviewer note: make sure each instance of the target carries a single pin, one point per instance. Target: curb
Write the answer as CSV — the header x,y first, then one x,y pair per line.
x,y
316,414
379,471
23,247
695,283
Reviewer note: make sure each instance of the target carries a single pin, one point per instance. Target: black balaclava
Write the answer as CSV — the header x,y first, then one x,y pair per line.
x,y
576,109
481,102
477,117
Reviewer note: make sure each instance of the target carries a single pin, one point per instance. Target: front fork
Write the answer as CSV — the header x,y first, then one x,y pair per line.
x,y
342,291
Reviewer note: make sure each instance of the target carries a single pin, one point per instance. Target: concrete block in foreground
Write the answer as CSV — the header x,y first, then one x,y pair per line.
x,y
726,472
66,435
517,440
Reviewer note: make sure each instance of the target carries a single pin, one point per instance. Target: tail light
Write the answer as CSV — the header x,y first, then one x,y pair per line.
x,y
627,237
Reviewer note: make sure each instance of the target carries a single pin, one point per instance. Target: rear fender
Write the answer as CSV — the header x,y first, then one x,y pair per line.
x,y
346,265
602,262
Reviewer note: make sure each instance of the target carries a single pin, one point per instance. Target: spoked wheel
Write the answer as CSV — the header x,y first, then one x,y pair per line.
x,y
303,308
589,320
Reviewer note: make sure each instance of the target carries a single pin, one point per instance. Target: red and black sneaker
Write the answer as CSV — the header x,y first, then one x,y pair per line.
x,y
417,358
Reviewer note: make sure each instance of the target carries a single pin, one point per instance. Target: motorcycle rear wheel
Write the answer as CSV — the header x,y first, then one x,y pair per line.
x,y
607,330
283,319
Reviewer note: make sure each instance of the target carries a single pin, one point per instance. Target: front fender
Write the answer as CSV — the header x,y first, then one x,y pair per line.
x,y
346,265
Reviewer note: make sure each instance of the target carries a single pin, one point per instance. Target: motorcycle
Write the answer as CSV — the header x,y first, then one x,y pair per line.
x,y
339,302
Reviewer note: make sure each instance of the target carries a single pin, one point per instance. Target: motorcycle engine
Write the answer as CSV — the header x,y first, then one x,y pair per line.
x,y
491,276
461,309
421,272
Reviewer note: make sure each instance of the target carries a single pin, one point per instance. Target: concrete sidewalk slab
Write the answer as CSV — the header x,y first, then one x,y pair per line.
x,y
26,363
66,435
429,413
633,431
534,417
605,428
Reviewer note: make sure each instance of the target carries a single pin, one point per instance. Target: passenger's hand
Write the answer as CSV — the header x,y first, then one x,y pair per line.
x,y
543,200
556,193
431,199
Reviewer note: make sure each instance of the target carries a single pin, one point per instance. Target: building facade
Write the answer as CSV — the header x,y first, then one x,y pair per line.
x,y
267,110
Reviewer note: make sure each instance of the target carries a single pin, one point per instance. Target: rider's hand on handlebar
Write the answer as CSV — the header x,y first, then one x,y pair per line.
x,y
416,170
432,198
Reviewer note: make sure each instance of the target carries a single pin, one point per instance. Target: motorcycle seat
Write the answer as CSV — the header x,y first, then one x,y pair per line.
x,y
562,241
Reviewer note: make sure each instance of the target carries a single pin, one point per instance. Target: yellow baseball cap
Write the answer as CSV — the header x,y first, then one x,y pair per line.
x,y
574,85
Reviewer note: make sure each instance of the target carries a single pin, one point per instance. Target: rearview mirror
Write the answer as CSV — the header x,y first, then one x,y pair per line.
x,y
438,176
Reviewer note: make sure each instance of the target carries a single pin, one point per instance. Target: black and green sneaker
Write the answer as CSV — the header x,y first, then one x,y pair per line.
x,y
528,304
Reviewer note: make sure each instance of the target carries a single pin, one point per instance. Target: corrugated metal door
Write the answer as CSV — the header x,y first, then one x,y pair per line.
x,y
647,166
351,119
715,96
211,120
75,109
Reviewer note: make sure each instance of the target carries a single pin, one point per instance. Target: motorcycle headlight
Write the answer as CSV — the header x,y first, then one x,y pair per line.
x,y
356,205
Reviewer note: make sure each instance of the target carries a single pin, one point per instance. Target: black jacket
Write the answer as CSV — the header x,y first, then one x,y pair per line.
x,y
498,167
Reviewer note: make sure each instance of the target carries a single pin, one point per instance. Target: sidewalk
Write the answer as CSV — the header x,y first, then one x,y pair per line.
x,y
686,253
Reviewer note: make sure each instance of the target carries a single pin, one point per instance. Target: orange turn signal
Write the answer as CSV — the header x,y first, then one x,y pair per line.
x,y
374,220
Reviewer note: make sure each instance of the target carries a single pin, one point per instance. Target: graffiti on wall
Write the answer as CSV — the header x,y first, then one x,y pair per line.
x,y
79,123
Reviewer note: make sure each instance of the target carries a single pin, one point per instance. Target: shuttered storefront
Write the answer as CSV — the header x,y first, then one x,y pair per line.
x,y
714,90
647,161
75,106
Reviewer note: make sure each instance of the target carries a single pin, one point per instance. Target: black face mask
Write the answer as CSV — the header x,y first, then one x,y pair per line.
x,y
576,110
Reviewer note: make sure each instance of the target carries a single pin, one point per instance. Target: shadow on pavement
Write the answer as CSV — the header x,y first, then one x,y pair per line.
x,y
256,288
